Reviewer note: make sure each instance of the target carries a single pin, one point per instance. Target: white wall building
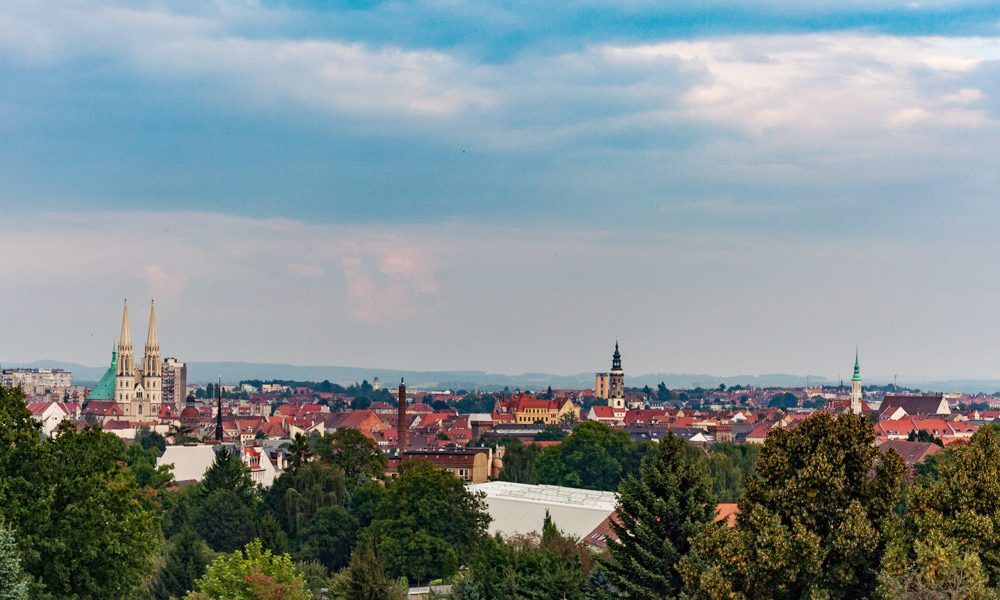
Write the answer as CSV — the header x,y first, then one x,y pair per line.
x,y
519,508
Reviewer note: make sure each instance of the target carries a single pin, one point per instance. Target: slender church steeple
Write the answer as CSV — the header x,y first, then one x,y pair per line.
x,y
126,359
151,366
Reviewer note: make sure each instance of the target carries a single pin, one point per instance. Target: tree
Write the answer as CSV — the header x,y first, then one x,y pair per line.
x,y
297,495
150,440
954,512
224,520
552,433
142,461
253,574
328,537
13,582
84,527
361,403
657,513
924,436
519,462
815,518
357,455
228,472
551,566
299,451
591,457
365,578
186,560
426,520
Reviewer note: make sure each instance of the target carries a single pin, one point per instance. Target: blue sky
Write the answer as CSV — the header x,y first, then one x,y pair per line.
x,y
728,187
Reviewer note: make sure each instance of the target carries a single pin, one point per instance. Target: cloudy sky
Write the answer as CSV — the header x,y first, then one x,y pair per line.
x,y
727,187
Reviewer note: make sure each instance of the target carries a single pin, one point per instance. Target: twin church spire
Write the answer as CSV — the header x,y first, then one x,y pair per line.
x,y
138,392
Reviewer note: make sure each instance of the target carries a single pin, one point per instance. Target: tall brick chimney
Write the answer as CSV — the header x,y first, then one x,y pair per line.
x,y
401,419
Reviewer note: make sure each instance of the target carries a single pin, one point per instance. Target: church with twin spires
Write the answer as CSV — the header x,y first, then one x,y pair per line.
x,y
127,392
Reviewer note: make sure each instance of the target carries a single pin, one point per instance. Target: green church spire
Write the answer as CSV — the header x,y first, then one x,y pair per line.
x,y
857,367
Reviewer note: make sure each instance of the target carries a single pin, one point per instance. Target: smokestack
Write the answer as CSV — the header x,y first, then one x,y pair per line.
x,y
401,419
218,415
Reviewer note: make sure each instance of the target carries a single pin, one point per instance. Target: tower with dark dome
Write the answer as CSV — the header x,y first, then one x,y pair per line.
x,y
616,381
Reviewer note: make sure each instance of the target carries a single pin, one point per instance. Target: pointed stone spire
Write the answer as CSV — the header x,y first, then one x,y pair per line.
x,y
125,338
151,342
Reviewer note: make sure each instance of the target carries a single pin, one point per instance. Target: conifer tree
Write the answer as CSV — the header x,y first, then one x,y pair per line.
x,y
365,577
13,583
657,513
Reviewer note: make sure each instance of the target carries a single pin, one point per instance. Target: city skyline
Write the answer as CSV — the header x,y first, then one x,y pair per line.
x,y
727,188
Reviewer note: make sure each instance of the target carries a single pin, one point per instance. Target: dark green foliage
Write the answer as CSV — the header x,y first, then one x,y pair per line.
x,y
593,456
365,577
553,566
224,520
956,513
299,493
150,440
658,512
328,537
814,521
299,451
551,433
727,465
924,436
186,559
784,400
519,462
353,453
270,534
84,527
228,472
142,461
425,521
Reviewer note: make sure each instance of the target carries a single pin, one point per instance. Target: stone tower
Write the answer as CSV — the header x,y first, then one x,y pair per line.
x,y
616,381
152,368
125,372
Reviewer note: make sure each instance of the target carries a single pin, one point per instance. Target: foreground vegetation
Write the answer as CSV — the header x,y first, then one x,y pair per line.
x,y
824,514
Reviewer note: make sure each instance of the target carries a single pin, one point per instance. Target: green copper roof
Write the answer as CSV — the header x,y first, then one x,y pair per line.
x,y
105,388
857,368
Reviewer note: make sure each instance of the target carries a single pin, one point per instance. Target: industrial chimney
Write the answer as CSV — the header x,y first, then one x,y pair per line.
x,y
401,419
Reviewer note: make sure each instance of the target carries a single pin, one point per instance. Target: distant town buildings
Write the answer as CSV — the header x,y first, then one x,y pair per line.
x,y
36,378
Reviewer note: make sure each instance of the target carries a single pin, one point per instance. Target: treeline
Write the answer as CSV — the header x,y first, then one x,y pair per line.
x,y
84,516
597,457
823,514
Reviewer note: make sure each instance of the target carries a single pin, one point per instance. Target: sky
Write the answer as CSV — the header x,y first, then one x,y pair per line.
x,y
726,187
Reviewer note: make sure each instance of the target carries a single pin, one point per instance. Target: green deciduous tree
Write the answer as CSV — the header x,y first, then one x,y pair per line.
x,y
426,520
814,521
593,456
253,574
85,528
953,512
357,455
658,513
519,461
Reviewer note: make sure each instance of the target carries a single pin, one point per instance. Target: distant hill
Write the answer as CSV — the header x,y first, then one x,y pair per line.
x,y
231,372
